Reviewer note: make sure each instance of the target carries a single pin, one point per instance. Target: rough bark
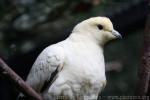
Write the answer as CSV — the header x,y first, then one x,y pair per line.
x,y
144,70
9,74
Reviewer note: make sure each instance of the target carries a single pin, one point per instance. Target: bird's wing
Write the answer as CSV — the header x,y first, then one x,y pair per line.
x,y
48,64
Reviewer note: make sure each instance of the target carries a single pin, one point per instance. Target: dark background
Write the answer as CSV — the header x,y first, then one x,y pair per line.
x,y
28,26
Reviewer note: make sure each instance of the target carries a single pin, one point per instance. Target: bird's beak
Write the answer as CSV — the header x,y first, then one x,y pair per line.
x,y
117,34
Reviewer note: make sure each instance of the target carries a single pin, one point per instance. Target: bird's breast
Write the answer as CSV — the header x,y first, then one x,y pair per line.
x,y
85,66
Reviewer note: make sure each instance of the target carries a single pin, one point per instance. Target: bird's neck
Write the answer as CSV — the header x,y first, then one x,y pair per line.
x,y
88,37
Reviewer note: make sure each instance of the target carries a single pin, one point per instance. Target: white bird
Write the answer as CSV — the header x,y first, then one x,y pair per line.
x,y
74,69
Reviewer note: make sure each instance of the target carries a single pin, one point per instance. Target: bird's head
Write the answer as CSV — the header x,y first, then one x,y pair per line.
x,y
99,28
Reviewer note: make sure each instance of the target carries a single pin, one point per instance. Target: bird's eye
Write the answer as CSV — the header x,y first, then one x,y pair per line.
x,y
100,27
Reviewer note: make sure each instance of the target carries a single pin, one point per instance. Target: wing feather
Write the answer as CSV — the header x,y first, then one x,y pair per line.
x,y
46,67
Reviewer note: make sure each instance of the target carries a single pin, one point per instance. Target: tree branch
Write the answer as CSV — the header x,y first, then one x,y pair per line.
x,y
8,73
144,70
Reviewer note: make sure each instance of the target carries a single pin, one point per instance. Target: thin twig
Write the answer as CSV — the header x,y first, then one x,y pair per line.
x,y
8,73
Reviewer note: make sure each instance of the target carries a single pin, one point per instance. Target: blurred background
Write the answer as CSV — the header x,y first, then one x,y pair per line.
x,y
28,26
